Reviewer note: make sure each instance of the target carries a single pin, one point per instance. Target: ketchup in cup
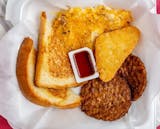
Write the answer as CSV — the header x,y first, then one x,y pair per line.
x,y
83,64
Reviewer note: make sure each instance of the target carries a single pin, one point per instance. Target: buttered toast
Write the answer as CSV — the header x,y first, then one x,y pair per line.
x,y
72,29
25,70
53,68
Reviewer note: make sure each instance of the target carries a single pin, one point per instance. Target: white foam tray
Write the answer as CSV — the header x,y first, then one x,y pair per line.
x,y
29,10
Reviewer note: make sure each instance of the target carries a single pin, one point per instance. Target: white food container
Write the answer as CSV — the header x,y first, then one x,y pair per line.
x,y
24,15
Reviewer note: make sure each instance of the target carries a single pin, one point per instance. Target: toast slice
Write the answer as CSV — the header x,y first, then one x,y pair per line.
x,y
112,48
72,29
53,69
25,70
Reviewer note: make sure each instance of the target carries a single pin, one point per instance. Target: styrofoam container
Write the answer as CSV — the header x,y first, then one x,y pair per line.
x,y
140,115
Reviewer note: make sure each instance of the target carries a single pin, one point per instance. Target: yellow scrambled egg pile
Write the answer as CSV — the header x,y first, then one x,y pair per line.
x,y
77,27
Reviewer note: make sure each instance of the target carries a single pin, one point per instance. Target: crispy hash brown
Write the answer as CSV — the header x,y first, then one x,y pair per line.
x,y
106,100
133,70
112,48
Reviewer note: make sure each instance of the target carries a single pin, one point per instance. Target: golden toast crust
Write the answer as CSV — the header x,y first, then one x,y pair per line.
x,y
21,71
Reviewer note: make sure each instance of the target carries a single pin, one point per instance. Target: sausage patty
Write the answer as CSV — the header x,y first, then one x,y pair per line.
x,y
106,100
134,72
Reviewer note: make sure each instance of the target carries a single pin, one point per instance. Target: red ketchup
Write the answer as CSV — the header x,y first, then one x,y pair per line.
x,y
84,64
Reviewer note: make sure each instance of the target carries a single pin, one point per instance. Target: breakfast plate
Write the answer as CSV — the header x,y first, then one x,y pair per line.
x,y
25,18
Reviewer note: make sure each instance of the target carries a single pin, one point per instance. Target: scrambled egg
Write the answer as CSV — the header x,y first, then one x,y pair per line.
x,y
77,27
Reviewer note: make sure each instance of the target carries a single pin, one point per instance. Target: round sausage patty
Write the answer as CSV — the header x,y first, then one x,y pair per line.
x,y
134,72
106,100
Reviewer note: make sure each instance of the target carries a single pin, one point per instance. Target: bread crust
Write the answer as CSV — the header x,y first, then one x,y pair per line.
x,y
21,71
